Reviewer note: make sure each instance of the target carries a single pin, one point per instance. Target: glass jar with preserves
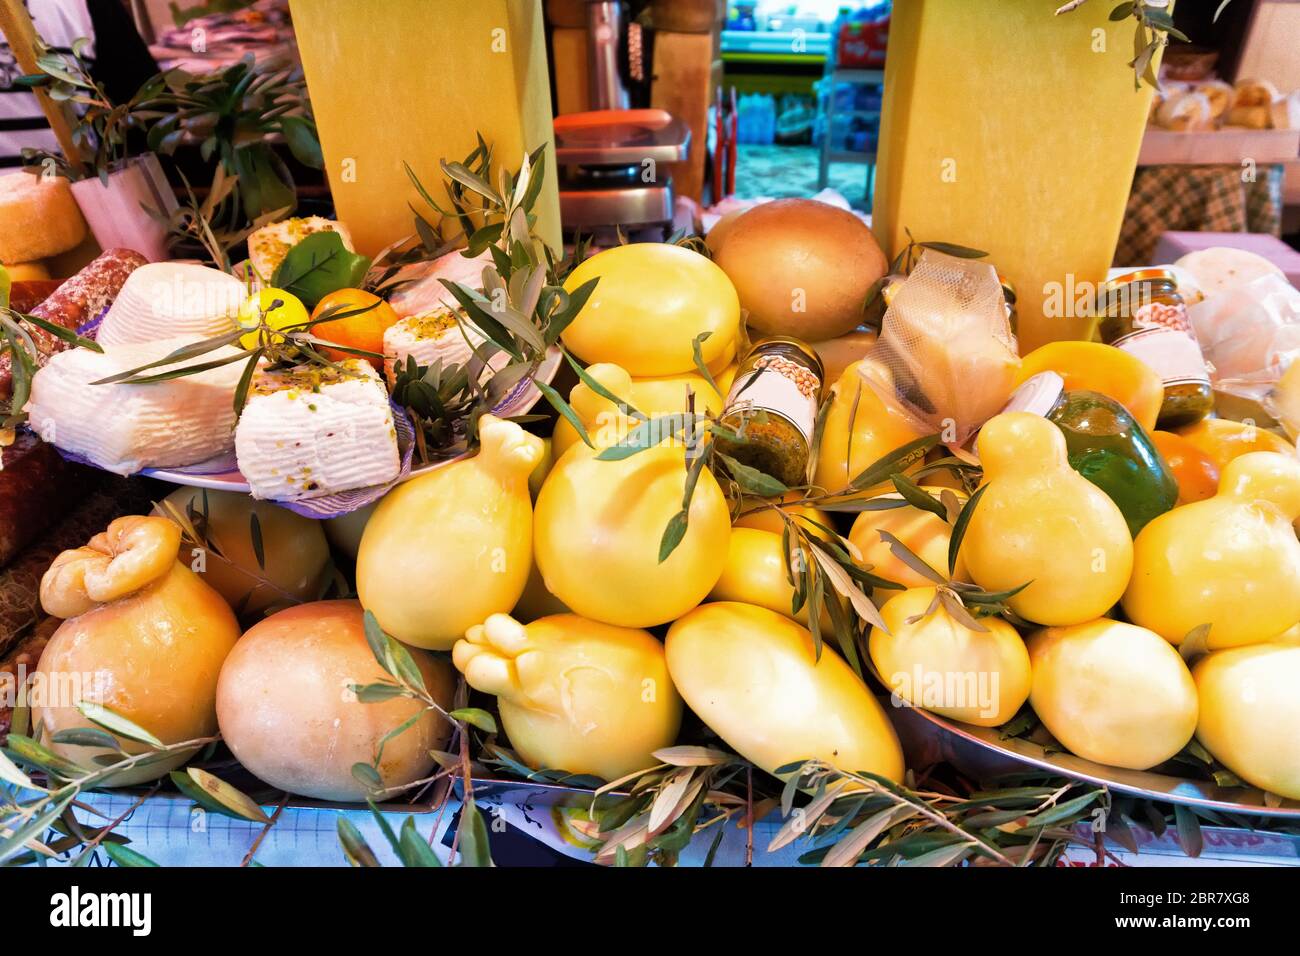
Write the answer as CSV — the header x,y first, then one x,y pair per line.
x,y
772,407
1143,314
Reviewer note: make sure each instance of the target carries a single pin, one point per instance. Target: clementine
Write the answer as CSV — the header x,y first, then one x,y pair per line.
x,y
363,317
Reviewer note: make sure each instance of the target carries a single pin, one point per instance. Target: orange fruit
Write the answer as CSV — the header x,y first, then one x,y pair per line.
x,y
362,330
1223,440
1195,471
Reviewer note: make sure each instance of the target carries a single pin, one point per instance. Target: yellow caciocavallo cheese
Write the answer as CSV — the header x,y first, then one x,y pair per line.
x,y
1011,130
409,81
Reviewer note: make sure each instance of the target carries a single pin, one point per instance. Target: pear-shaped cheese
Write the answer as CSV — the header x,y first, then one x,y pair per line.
x,y
445,550
1231,561
575,694
1043,524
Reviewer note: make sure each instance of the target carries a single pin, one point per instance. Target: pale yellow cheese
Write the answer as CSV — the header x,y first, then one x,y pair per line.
x,y
410,81
1014,131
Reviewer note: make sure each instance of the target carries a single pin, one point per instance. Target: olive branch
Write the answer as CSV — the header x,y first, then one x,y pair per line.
x,y
404,680
1154,27
29,767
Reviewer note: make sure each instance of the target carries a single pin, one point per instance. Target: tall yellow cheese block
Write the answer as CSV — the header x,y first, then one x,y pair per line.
x,y
413,80
1015,131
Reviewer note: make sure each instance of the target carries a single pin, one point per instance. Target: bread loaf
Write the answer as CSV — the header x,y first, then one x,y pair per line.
x,y
1254,93
1250,117
38,217
1184,111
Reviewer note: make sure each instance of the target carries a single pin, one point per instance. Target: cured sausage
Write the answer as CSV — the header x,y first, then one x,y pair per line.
x,y
74,303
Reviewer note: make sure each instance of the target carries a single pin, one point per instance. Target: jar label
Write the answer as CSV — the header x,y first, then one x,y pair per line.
x,y
774,388
1173,353
1163,315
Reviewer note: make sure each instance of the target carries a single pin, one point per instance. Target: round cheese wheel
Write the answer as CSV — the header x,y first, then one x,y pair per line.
x,y
801,267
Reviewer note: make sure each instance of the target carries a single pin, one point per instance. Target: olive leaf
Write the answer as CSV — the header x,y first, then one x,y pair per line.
x,y
648,434
367,776
697,355
563,318
1188,829
952,249
918,498
215,795
34,754
87,737
959,528
752,480
673,534
355,848
473,833
100,715
476,717
583,376
957,611
909,558
843,583
11,773
1196,643
17,839
414,850
255,536
692,756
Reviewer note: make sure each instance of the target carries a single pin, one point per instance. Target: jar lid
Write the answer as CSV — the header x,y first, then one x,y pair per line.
x,y
1038,395
1138,275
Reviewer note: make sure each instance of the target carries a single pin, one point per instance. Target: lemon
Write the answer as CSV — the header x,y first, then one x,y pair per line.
x,y
278,309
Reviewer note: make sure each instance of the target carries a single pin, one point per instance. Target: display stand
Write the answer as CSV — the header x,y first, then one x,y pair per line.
x,y
831,155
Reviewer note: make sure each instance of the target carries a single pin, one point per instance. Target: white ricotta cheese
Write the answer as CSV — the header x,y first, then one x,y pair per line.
x,y
124,428
167,300
307,432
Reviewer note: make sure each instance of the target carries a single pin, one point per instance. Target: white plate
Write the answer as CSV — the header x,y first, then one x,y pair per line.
x,y
222,474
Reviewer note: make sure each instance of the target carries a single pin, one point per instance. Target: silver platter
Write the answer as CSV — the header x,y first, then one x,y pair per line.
x,y
982,753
